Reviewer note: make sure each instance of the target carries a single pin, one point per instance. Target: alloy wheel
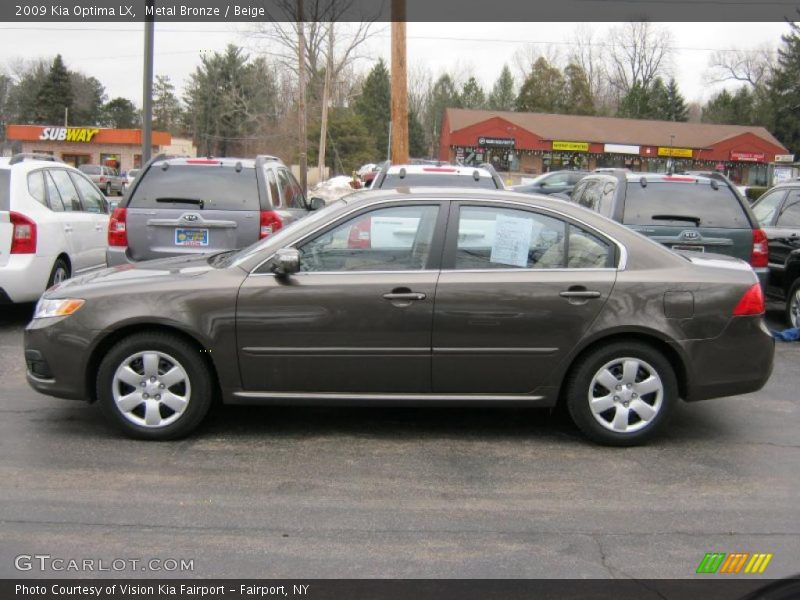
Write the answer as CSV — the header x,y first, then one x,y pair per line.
x,y
625,395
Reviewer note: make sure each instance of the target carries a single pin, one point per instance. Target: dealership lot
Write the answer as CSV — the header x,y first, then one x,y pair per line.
x,y
289,492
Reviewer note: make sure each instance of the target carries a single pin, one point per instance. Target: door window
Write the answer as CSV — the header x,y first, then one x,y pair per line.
x,y
53,197
765,209
292,194
790,216
274,192
92,198
388,239
69,195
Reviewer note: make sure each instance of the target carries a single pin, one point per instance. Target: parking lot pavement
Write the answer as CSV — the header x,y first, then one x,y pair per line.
x,y
302,492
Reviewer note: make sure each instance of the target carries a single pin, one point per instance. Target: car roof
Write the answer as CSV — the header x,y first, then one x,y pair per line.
x,y
657,177
31,163
443,169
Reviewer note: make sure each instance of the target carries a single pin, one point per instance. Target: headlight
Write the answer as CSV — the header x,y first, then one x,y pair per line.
x,y
56,307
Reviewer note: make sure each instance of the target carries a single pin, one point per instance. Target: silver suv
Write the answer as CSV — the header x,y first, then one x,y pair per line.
x,y
179,206
106,178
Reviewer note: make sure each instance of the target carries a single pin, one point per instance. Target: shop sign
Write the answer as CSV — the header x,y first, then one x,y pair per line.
x,y
784,158
621,149
68,134
675,152
571,146
748,156
493,141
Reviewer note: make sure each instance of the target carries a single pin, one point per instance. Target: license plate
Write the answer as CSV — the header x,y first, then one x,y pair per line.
x,y
690,248
191,237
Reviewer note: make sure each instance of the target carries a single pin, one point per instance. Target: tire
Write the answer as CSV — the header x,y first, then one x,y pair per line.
x,y
108,189
59,273
135,406
793,305
646,395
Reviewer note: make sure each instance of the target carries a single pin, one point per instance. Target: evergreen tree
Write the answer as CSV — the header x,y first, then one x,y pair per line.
x,y
121,113
636,104
544,89
675,103
502,96
22,97
472,95
443,95
658,102
785,90
416,135
732,109
5,105
55,95
374,106
348,144
166,106
579,99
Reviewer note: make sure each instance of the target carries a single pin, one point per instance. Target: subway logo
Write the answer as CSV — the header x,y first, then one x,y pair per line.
x,y
68,134
732,564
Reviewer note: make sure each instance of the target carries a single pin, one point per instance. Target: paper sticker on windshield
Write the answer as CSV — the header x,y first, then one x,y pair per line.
x,y
512,241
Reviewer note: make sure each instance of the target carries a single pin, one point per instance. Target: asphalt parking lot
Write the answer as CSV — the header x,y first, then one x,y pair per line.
x,y
473,493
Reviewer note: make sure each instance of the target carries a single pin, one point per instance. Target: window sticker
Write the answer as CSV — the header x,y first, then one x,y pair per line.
x,y
512,241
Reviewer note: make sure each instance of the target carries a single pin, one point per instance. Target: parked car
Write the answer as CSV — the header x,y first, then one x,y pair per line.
x,y
107,179
439,175
55,226
778,212
555,182
458,296
690,213
196,205
130,176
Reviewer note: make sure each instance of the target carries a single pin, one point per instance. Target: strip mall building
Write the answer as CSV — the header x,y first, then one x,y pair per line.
x,y
532,143
118,148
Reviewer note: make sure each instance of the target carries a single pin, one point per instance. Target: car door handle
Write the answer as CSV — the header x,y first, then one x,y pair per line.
x,y
67,229
585,294
99,228
404,296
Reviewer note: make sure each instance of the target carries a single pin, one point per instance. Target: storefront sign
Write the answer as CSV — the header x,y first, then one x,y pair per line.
x,y
784,158
68,134
492,141
620,149
748,156
675,152
571,146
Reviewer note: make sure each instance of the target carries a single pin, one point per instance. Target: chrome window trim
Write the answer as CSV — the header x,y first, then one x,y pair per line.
x,y
622,262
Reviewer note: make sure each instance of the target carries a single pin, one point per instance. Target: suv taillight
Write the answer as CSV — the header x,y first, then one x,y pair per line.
x,y
23,240
361,234
270,223
759,257
117,228
752,303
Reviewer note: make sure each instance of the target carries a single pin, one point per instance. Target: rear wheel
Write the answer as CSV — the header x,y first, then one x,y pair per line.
x,y
793,305
621,395
59,273
154,386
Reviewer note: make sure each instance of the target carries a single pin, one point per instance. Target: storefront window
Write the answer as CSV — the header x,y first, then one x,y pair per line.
x,y
756,175
76,160
111,160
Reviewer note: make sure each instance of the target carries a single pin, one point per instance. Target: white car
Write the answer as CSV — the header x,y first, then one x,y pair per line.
x,y
55,226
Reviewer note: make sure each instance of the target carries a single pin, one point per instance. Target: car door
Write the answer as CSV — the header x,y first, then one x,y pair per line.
x,y
78,225
94,207
357,317
518,289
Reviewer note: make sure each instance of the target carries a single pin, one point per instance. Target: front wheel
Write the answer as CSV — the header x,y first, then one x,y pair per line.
x,y
154,386
621,395
793,305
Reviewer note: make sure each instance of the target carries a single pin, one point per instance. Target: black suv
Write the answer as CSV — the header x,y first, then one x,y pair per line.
x,y
778,212
683,212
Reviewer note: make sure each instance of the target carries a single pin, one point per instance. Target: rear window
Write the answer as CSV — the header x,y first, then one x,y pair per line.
x,y
5,189
181,186
679,204
436,180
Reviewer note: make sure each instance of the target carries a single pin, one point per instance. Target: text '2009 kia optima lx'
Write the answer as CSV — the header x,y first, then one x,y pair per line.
x,y
426,296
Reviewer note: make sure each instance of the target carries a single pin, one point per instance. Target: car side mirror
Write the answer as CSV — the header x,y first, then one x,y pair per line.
x,y
316,204
286,262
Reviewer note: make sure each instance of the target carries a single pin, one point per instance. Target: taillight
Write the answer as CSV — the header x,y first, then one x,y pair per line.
x,y
360,234
23,240
117,228
759,257
270,223
752,303
102,180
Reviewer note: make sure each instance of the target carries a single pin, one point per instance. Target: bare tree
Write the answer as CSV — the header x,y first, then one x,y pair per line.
x,y
525,57
588,54
751,66
638,52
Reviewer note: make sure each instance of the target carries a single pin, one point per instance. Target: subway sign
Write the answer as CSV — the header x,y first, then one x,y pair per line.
x,y
68,134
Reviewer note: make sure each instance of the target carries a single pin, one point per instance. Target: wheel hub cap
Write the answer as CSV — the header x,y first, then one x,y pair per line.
x,y
625,395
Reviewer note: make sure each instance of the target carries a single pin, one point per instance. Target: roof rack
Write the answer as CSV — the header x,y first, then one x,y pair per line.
x,y
262,159
18,158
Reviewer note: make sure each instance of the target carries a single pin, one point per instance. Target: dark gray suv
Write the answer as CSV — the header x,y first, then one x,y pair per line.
x,y
428,296
179,206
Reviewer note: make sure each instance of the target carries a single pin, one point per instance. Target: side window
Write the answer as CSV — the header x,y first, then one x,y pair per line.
x,y
577,192
92,198
558,179
790,216
67,191
36,186
591,197
607,198
765,208
388,239
53,197
292,194
499,238
274,192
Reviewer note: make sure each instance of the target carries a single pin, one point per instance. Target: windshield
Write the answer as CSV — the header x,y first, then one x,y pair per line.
x,y
283,234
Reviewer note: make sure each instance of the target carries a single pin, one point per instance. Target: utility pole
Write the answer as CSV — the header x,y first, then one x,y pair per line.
x,y
323,130
399,127
147,93
301,66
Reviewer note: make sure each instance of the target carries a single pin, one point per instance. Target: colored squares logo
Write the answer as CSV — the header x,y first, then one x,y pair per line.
x,y
734,563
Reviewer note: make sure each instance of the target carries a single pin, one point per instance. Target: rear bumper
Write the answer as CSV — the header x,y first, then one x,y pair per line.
x,y
116,255
737,362
24,277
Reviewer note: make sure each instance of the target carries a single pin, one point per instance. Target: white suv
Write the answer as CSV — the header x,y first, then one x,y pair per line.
x,y
55,226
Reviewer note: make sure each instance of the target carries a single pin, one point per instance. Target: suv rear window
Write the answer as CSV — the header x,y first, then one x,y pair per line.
x,y
436,180
5,189
219,188
680,203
